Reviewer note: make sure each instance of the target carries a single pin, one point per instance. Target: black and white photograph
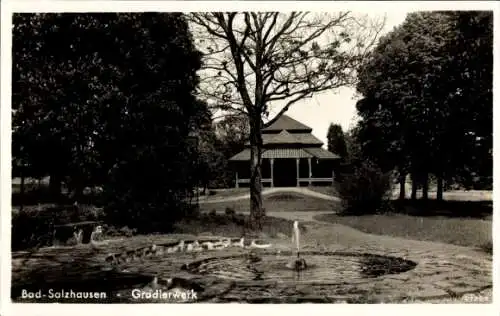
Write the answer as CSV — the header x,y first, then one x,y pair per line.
x,y
263,155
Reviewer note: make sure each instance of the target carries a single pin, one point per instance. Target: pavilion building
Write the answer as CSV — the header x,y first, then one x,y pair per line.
x,y
291,156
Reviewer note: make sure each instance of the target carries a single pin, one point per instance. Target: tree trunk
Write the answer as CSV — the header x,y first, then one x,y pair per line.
x,y
439,193
413,187
55,186
21,192
78,194
255,174
402,187
425,187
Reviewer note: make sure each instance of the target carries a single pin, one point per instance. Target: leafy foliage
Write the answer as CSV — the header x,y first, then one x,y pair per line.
x,y
364,190
469,79
336,140
108,99
421,108
34,226
254,60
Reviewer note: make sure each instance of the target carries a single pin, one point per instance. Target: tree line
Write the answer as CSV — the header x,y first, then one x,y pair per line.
x,y
98,101
426,107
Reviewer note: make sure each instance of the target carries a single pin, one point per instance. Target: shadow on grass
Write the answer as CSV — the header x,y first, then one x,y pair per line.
x,y
462,223
280,202
235,225
284,197
452,209
487,247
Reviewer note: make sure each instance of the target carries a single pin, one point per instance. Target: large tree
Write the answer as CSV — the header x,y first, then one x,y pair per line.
x,y
419,111
256,60
336,140
468,77
108,99
232,132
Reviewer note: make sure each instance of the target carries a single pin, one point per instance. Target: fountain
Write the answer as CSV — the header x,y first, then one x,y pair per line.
x,y
299,263
281,275
228,269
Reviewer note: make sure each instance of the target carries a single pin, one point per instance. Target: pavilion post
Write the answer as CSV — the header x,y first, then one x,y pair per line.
x,y
310,170
333,177
272,171
297,161
237,184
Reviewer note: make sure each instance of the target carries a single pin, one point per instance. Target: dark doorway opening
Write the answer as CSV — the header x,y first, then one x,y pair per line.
x,y
285,173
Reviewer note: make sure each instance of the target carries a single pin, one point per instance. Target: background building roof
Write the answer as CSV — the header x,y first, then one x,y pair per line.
x,y
278,153
284,137
287,123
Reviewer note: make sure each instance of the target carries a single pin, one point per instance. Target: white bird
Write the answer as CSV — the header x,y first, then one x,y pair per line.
x,y
95,236
181,246
226,243
209,245
196,246
154,283
241,243
78,235
170,281
255,245
219,244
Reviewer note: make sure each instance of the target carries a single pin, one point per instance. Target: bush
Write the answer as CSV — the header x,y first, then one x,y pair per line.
x,y
34,226
31,229
230,211
112,231
364,190
36,195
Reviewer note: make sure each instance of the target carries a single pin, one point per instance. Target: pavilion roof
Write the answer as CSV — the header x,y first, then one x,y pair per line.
x,y
284,122
284,137
277,153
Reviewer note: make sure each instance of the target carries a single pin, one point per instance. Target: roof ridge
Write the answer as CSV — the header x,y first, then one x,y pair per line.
x,y
285,122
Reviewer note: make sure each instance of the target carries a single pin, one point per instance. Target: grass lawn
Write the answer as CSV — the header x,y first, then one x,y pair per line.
x,y
235,225
471,232
328,190
282,202
220,193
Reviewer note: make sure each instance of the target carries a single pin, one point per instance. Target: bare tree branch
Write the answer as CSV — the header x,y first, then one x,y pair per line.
x,y
276,57
272,56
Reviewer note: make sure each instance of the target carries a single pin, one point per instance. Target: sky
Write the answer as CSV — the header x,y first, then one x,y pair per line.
x,y
337,106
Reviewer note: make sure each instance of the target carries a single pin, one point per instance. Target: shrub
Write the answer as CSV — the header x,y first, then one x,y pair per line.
x,y
285,197
112,231
230,212
487,247
36,195
239,219
364,190
34,226
31,229
212,213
